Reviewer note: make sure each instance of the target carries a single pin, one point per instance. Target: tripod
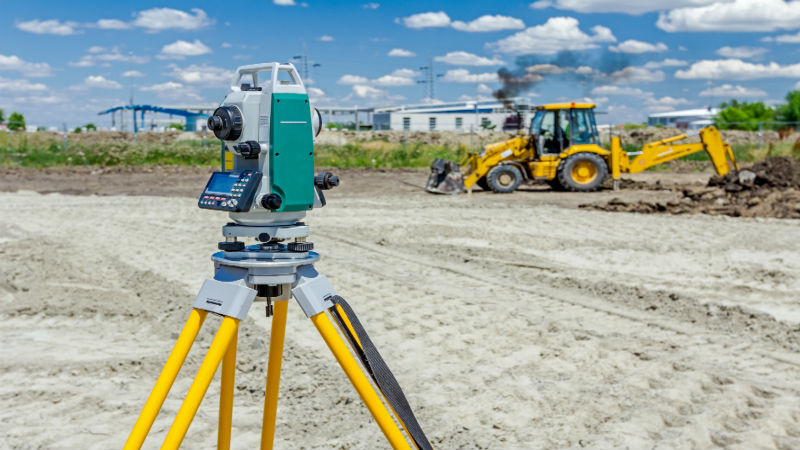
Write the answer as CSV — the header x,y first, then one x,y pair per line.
x,y
276,272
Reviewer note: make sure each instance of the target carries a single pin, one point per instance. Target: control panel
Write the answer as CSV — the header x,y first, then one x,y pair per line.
x,y
230,191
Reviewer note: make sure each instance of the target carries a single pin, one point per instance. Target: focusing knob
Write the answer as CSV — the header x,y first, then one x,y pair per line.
x,y
231,246
226,123
271,201
300,246
249,149
326,180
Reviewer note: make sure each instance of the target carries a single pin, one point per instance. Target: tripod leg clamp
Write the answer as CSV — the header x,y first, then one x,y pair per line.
x,y
312,291
226,295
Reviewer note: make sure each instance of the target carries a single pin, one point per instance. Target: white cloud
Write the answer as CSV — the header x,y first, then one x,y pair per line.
x,y
461,58
464,76
619,90
132,74
727,90
107,56
371,5
49,27
668,101
636,47
557,34
97,82
783,39
202,75
112,24
400,77
20,86
541,4
181,49
159,19
284,2
484,89
617,6
326,38
401,53
352,79
162,87
315,93
405,73
736,69
489,22
547,69
736,15
226,45
15,63
364,91
97,49
740,52
426,20
669,62
392,80
636,74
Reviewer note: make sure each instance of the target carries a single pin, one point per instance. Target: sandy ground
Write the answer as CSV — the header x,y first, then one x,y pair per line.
x,y
512,321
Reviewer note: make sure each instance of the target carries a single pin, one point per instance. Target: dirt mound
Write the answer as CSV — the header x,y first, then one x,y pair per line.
x,y
770,188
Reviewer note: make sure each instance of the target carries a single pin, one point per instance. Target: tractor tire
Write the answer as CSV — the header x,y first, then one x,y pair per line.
x,y
504,179
582,172
483,184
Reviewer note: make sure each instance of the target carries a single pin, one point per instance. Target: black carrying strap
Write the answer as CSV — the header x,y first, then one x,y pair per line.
x,y
379,372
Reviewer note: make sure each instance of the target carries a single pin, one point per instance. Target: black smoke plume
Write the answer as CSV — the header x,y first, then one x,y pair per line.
x,y
564,65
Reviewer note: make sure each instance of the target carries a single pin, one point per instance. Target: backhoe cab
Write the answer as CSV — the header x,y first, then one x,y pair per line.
x,y
563,149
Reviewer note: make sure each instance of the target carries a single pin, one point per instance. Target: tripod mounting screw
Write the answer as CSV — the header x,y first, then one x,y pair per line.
x,y
231,246
271,201
326,180
300,246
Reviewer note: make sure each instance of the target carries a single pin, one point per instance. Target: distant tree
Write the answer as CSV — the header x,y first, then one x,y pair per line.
x,y
16,121
737,115
90,127
790,111
176,126
2,119
41,128
78,130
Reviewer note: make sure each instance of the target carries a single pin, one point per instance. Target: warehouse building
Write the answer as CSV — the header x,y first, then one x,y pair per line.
x,y
458,116
689,119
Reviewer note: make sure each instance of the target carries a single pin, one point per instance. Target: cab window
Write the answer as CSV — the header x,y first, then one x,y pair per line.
x,y
583,129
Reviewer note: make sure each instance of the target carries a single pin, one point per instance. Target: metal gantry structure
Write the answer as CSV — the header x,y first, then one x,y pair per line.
x,y
190,116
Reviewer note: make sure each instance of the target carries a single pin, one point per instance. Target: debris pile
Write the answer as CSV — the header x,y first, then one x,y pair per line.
x,y
770,188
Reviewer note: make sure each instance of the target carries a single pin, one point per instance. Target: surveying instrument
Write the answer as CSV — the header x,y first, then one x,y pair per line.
x,y
267,183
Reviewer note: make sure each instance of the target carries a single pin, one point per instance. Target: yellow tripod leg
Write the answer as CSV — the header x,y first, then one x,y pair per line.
x,y
226,396
164,383
360,382
276,337
200,384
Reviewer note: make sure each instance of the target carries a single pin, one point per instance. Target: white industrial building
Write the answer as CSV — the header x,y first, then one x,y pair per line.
x,y
689,119
458,116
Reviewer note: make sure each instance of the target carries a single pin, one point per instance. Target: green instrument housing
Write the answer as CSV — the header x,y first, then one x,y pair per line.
x,y
291,156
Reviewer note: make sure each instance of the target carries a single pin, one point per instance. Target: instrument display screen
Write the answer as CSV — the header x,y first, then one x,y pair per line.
x,y
222,182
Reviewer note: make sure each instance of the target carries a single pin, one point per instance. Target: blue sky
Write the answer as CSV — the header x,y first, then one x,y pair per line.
x,y
62,62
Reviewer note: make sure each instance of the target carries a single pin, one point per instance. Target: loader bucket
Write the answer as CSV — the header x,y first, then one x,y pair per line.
x,y
445,177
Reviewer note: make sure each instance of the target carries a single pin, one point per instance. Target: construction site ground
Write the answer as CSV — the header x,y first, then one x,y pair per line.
x,y
511,321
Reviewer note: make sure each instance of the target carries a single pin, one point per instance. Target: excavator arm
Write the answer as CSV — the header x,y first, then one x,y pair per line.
x,y
659,152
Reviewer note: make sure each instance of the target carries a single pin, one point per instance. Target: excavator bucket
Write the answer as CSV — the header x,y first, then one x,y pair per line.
x,y
445,177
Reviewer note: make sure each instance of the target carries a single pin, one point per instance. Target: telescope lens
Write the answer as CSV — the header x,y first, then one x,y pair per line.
x,y
226,123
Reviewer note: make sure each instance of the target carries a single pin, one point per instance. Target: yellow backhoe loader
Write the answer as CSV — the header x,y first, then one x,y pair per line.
x,y
563,149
